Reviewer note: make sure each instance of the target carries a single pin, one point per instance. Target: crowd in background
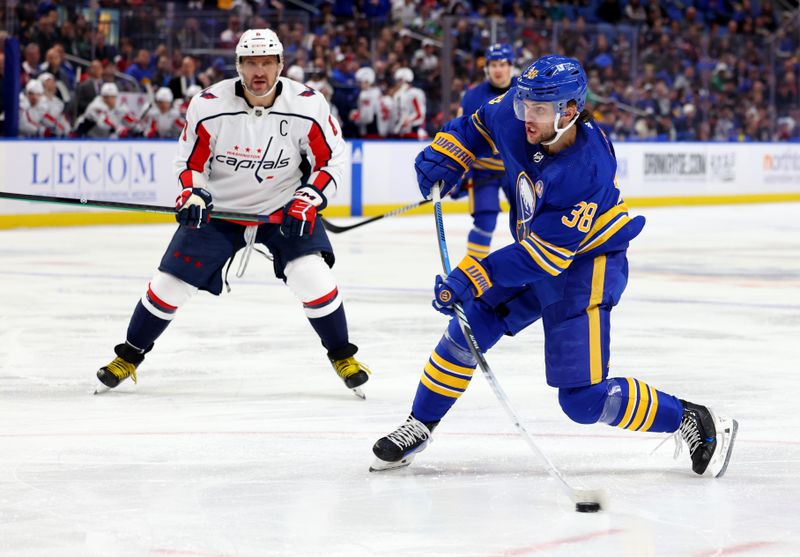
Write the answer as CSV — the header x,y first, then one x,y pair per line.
x,y
700,70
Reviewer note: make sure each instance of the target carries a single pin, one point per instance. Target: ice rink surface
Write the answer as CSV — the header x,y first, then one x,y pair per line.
x,y
239,440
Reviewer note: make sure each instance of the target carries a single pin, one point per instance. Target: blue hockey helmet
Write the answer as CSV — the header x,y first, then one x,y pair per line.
x,y
551,78
500,51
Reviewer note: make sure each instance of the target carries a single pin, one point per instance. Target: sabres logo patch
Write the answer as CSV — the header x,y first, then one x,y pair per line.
x,y
444,296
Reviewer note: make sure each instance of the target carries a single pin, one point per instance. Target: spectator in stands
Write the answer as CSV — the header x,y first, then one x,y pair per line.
x,y
142,68
44,33
53,65
163,74
191,36
230,36
215,72
185,78
89,88
31,56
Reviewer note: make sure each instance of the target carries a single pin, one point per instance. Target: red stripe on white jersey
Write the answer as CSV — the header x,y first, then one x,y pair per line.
x,y
322,180
319,147
201,152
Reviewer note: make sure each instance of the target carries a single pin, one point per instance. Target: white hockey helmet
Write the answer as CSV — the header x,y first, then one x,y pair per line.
x,y
164,94
191,91
45,76
404,74
34,86
259,42
296,73
365,75
109,90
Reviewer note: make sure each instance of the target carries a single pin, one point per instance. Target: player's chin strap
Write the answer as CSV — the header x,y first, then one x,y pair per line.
x,y
271,90
560,131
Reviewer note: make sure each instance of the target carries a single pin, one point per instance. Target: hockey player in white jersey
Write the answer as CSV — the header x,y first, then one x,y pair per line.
x,y
410,106
103,117
33,111
263,145
367,115
163,120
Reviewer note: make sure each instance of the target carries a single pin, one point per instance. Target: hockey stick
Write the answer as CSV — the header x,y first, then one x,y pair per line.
x,y
116,205
330,227
585,500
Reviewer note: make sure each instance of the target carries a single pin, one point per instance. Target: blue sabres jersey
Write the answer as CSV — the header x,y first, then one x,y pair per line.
x,y
473,99
563,206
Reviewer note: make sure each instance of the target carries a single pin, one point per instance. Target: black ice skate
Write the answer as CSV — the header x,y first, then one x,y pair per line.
x,y
709,438
123,366
400,447
353,373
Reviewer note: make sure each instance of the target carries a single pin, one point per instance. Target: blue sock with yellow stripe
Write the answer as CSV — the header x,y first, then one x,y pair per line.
x,y
479,239
445,377
623,402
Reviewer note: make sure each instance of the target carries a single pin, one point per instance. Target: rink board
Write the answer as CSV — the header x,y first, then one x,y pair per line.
x,y
379,176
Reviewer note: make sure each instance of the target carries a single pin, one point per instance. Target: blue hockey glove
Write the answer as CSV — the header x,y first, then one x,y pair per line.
x,y
194,207
443,160
300,213
468,280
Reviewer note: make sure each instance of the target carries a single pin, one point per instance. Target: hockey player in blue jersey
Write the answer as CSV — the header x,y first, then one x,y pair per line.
x,y
568,267
485,178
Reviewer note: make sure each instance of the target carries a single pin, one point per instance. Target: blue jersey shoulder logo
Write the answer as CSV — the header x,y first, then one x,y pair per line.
x,y
526,205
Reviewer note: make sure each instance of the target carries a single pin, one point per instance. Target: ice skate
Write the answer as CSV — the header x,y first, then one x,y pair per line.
x,y
709,437
353,373
400,447
120,368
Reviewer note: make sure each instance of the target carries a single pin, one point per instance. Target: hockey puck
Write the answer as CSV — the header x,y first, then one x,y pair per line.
x,y
587,507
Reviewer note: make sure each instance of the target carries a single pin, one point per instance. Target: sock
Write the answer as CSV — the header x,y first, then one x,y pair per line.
x,y
445,377
144,328
635,405
332,329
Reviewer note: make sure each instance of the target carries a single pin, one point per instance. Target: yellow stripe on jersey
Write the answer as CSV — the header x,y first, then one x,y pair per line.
x,y
651,414
489,164
563,251
484,131
593,313
437,389
541,261
633,396
644,398
449,145
442,377
617,215
555,259
605,236
449,366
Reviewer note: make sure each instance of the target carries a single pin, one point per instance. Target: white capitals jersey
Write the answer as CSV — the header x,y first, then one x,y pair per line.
x,y
252,159
410,103
167,124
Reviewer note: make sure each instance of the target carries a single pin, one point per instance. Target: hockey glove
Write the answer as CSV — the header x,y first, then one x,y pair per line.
x,y
469,280
300,213
463,186
443,160
194,207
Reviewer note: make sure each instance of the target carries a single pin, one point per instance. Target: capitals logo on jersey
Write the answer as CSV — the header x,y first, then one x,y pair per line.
x,y
526,205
